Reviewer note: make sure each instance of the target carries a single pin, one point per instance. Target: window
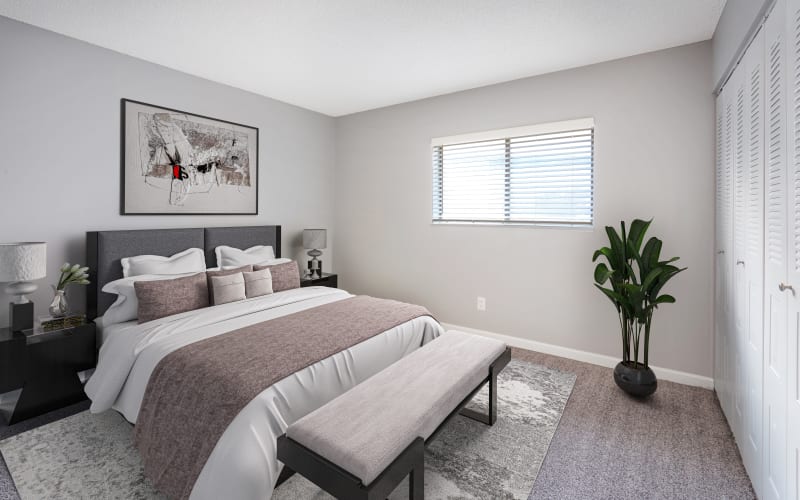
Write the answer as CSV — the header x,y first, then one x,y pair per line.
x,y
540,174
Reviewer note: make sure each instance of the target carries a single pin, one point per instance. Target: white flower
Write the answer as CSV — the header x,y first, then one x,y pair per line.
x,y
75,267
65,267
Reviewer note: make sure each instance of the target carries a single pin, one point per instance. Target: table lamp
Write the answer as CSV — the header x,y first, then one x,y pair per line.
x,y
314,239
20,263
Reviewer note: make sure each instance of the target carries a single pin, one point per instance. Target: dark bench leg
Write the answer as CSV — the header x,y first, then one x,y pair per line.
x,y
285,475
491,417
416,483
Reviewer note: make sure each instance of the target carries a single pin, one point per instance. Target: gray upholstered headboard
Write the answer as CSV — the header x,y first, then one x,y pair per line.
x,y
105,249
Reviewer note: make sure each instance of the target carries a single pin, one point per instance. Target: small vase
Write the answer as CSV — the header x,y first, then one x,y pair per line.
x,y
58,308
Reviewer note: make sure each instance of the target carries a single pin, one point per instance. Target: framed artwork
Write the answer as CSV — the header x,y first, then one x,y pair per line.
x,y
174,162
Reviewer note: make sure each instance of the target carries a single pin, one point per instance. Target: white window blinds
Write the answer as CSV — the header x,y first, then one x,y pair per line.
x,y
528,175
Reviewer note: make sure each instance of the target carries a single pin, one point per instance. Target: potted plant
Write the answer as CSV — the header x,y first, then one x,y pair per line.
x,y
633,279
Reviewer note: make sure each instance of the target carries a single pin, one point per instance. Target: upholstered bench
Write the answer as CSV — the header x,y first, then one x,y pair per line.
x,y
362,444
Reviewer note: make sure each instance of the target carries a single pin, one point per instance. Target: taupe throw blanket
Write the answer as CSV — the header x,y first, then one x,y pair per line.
x,y
195,392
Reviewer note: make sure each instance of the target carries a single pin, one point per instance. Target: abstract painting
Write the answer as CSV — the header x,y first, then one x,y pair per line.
x,y
174,162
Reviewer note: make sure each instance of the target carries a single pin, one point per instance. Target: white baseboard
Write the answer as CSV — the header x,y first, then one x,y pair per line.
x,y
585,356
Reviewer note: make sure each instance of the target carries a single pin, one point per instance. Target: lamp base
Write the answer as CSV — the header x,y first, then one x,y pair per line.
x,y
21,289
20,316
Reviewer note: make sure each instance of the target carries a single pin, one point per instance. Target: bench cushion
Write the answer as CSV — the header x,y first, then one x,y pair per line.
x,y
366,428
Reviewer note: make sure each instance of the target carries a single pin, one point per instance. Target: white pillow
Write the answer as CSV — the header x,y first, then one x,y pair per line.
x,y
234,257
126,307
192,260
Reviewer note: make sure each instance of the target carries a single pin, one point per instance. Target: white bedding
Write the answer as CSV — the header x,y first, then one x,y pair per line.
x,y
243,464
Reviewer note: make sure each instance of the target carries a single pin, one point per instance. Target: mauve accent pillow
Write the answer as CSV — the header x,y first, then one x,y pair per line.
x,y
223,272
228,288
158,299
257,283
284,276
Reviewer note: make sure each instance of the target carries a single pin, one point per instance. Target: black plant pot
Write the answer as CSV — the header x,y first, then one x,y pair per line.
x,y
634,379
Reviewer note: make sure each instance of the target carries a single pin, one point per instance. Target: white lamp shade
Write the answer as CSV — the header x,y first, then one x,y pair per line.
x,y
315,238
23,261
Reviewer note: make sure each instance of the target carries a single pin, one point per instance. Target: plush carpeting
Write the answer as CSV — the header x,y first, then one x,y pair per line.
x,y
675,445
471,460
607,445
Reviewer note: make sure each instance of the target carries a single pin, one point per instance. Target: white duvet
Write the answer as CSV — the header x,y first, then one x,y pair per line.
x,y
243,464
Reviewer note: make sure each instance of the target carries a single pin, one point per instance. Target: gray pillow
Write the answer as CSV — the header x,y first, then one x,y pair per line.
x,y
158,299
284,276
223,272
228,288
257,283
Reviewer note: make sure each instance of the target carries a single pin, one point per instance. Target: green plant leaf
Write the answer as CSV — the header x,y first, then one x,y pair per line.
x,y
631,274
668,271
617,252
602,273
665,299
636,235
651,278
652,254
613,296
605,251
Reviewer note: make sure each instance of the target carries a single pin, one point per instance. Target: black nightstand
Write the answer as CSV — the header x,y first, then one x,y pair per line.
x,y
328,279
45,366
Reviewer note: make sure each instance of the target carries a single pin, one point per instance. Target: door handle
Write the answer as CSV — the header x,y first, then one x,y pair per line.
x,y
738,262
720,252
783,287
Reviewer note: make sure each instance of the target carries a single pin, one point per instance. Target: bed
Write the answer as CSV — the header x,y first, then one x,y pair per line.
x,y
243,461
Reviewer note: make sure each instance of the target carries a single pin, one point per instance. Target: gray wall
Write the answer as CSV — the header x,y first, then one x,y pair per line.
x,y
60,147
654,158
738,19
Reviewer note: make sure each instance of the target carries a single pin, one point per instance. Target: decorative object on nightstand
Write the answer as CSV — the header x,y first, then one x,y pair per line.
x,y
21,263
45,365
327,279
49,323
69,274
313,241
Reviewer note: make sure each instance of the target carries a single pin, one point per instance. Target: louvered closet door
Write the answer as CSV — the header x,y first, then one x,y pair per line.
x,y
752,67
719,260
729,141
776,259
739,310
724,247
793,345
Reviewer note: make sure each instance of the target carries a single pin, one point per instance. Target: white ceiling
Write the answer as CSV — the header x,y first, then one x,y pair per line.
x,y
341,57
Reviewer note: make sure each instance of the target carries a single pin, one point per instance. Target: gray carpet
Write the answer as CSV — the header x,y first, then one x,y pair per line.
x,y
471,460
676,445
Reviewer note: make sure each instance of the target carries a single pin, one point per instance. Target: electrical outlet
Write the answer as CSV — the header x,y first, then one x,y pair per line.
x,y
481,303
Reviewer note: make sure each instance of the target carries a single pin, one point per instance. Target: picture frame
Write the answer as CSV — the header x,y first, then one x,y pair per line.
x,y
174,162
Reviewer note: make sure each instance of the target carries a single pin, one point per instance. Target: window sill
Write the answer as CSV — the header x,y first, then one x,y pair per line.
x,y
554,225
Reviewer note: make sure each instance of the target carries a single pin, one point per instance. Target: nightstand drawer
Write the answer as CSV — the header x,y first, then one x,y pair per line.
x,y
65,351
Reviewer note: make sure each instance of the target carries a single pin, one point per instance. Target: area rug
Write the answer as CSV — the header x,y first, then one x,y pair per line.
x,y
470,460
82,456
92,456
